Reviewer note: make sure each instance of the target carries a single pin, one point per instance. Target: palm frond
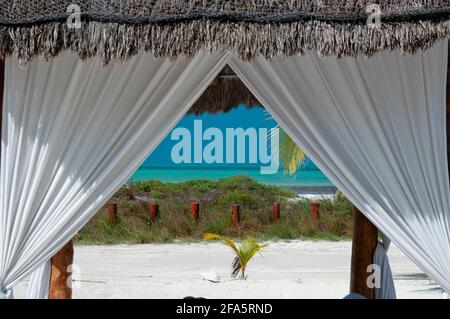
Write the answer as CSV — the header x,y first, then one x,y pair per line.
x,y
291,155
226,240
244,253
248,249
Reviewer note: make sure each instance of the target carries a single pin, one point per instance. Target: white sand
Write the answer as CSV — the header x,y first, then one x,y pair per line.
x,y
297,269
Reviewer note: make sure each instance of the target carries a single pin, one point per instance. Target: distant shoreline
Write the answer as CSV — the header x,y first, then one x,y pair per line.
x,y
303,182
312,190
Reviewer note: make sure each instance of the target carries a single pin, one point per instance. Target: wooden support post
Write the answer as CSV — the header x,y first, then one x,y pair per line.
x,y
276,212
315,214
2,84
153,211
235,214
365,236
60,288
195,210
112,212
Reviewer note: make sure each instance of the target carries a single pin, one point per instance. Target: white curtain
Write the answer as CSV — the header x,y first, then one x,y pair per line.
x,y
377,128
385,288
39,285
73,133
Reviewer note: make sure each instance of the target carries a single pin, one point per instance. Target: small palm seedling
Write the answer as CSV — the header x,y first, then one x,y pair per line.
x,y
244,252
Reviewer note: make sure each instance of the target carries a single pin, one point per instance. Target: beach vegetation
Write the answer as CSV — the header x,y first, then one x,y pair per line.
x,y
175,222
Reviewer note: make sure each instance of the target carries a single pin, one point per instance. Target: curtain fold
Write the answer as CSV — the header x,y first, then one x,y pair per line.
x,y
377,128
386,290
73,132
39,285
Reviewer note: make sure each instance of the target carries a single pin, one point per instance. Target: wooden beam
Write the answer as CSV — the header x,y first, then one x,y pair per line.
x,y
365,236
59,285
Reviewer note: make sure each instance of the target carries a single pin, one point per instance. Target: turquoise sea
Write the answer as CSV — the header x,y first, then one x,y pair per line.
x,y
161,166
303,179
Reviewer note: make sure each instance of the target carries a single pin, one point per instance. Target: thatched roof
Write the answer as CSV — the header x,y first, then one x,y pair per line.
x,y
117,29
225,93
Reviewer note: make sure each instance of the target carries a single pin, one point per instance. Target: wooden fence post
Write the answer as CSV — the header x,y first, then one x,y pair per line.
x,y
235,214
276,212
112,212
315,214
195,210
153,211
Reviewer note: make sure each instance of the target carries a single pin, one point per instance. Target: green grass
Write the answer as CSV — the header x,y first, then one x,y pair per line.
x,y
175,223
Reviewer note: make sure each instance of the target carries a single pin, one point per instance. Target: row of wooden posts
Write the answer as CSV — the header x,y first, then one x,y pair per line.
x,y
153,210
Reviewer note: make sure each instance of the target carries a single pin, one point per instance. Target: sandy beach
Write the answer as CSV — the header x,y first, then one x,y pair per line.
x,y
296,269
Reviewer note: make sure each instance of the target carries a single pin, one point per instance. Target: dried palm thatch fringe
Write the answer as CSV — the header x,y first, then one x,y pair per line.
x,y
118,29
223,95
118,42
